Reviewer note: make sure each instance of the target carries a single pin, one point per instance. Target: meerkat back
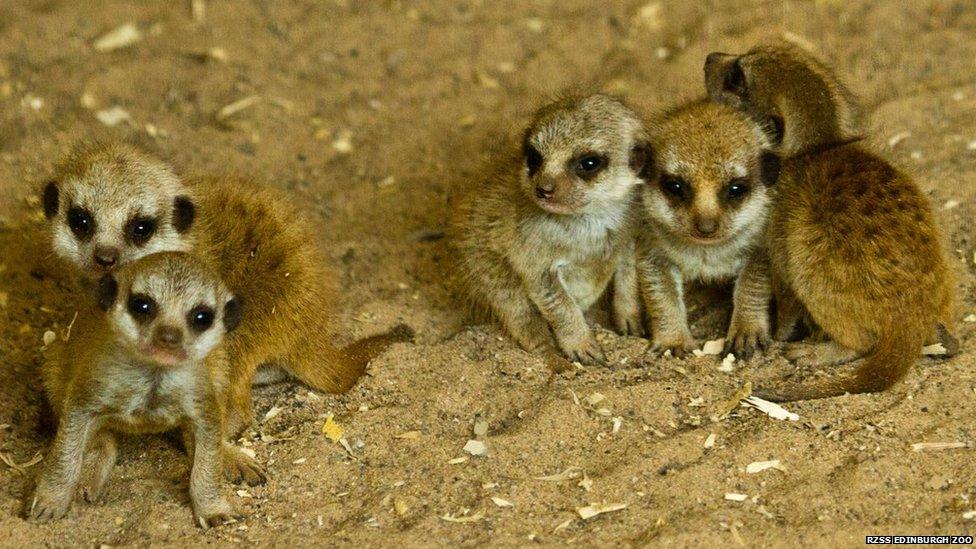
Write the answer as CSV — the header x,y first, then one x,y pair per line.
x,y
852,240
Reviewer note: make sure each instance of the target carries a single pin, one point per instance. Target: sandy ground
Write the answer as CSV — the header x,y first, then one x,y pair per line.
x,y
375,116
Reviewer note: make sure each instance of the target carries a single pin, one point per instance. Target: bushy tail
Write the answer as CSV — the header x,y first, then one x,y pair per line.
x,y
337,370
885,366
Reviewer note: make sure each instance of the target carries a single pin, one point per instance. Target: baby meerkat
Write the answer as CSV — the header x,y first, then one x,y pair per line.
x,y
550,230
111,204
852,240
705,210
151,360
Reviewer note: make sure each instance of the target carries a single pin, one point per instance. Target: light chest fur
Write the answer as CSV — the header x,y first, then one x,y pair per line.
x,y
147,399
582,250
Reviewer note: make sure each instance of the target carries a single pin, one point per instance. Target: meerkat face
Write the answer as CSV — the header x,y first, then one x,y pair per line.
x,y
788,91
583,155
114,205
711,174
168,309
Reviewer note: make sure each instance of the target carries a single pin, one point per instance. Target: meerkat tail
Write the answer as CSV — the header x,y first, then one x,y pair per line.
x,y
342,368
885,366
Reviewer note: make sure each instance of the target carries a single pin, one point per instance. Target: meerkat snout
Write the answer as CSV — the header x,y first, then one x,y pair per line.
x,y
166,307
112,205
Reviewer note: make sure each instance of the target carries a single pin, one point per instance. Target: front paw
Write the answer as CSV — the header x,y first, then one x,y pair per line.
x,y
744,340
629,323
214,513
679,344
49,504
585,351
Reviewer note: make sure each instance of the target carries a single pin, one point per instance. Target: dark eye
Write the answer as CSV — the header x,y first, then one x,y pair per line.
x,y
589,165
737,188
533,159
142,307
81,222
673,186
201,318
141,229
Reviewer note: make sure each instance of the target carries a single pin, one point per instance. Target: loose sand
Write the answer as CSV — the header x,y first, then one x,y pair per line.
x,y
375,116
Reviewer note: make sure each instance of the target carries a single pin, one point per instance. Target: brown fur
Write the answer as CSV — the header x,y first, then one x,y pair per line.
x,y
851,238
106,380
261,247
705,208
536,245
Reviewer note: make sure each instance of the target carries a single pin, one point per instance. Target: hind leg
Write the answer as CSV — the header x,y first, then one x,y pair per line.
x,y
99,462
240,414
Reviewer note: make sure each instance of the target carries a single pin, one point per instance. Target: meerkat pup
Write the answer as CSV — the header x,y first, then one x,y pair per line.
x,y
111,204
552,228
151,360
852,240
705,211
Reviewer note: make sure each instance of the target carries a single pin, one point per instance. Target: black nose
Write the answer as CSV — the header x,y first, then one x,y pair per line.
x,y
168,336
544,192
106,256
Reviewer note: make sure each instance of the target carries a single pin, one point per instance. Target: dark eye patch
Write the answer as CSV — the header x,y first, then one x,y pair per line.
x,y
675,187
200,318
533,159
140,229
81,223
142,307
588,165
737,189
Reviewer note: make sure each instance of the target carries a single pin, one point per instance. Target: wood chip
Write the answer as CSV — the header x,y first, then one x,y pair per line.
x,y
969,318
594,399
476,448
331,429
409,435
969,515
48,338
464,519
936,349
569,474
732,496
299,461
710,441
713,347
118,38
562,525
590,511
760,466
502,502
458,460
771,409
480,428
727,363
272,413
20,468
231,109
938,446
113,116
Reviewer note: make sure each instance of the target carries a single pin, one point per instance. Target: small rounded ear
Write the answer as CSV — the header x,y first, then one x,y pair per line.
x,y
769,166
51,199
642,159
183,213
232,314
735,79
108,291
